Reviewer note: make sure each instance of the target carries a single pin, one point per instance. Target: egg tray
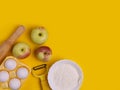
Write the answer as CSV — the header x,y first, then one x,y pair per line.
x,y
12,73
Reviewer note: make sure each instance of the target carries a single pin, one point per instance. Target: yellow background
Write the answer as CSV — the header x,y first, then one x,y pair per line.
x,y
85,31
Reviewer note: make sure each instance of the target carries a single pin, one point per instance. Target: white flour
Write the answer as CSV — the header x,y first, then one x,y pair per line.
x,y
65,77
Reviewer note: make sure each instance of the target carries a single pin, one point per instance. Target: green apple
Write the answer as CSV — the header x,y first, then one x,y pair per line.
x,y
43,53
39,35
21,50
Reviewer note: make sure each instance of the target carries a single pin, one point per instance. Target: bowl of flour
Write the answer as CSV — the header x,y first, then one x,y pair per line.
x,y
65,75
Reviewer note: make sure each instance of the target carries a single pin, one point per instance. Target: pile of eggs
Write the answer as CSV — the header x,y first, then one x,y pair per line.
x,y
13,73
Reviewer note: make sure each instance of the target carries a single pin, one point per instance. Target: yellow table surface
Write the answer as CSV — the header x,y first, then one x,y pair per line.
x,y
85,31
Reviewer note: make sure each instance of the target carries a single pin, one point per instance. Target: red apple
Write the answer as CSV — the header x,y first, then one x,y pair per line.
x,y
43,53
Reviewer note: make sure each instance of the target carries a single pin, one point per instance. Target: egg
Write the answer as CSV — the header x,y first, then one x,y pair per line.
x,y
10,64
14,84
4,76
22,72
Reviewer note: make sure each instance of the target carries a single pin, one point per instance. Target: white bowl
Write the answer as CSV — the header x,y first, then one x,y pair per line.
x,y
57,64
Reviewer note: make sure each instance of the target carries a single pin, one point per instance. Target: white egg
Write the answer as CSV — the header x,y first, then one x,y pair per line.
x,y
10,64
22,73
4,76
14,84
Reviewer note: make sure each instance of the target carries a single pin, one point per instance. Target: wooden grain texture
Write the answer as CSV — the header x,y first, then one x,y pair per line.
x,y
7,45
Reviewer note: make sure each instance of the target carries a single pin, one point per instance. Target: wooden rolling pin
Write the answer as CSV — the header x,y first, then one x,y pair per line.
x,y
6,46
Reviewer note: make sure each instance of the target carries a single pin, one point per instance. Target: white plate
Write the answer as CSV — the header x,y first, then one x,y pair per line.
x,y
57,64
